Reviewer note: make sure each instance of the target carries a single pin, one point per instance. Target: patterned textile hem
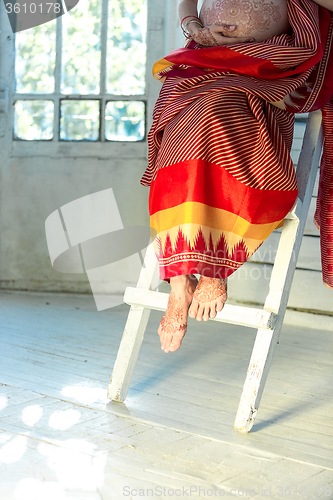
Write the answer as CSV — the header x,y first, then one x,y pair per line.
x,y
210,228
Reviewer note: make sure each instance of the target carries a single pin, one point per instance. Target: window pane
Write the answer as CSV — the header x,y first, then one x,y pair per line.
x,y
126,48
124,121
81,48
79,120
33,120
35,59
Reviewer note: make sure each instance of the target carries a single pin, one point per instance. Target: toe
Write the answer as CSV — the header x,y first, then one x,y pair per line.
x,y
164,341
200,312
165,348
206,312
213,311
219,305
175,344
193,311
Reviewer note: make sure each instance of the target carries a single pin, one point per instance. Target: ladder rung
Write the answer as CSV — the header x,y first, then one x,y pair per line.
x,y
238,315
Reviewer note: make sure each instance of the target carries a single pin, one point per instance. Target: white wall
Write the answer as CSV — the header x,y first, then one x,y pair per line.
x,y
39,177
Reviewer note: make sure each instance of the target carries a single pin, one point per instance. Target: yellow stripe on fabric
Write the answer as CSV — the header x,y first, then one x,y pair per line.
x,y
216,218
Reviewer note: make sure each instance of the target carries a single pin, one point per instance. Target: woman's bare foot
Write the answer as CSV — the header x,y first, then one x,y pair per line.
x,y
209,297
174,322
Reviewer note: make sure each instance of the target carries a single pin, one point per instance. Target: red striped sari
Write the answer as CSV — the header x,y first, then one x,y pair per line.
x,y
220,174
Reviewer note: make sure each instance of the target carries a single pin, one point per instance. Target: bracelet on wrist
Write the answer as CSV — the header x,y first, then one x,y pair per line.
x,y
187,17
183,25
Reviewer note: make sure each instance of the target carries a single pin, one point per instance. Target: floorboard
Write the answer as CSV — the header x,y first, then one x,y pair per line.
x,y
60,438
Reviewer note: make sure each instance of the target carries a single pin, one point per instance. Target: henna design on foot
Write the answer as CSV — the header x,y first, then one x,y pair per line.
x,y
172,317
209,298
209,289
173,325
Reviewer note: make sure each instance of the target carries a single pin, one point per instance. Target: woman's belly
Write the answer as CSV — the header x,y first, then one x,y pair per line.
x,y
259,19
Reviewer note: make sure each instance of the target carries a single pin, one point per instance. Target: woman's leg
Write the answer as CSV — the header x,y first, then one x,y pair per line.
x,y
174,322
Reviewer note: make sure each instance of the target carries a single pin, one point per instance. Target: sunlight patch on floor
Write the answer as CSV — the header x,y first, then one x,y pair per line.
x,y
3,402
32,414
64,419
86,395
13,450
77,445
32,489
74,469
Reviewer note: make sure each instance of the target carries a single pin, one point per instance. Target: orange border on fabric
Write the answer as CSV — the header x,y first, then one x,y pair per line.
x,y
161,65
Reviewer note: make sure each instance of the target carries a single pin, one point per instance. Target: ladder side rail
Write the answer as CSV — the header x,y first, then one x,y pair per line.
x,y
281,280
293,229
132,338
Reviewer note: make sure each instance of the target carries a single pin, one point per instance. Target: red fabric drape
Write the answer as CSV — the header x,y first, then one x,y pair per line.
x,y
296,67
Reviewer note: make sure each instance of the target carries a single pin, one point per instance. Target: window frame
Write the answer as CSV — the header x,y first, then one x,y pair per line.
x,y
103,148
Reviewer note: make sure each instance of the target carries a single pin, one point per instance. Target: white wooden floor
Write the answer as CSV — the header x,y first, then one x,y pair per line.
x,y
60,439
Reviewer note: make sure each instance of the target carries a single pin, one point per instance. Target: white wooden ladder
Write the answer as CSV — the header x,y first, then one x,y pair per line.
x,y
268,321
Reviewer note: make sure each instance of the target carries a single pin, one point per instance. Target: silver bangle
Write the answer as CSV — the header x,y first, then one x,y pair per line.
x,y
187,34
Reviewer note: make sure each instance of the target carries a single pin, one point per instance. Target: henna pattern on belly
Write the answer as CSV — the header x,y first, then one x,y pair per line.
x,y
249,15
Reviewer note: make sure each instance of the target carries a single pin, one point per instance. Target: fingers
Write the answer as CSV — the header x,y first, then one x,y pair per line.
x,y
221,34
205,37
227,40
223,27
214,35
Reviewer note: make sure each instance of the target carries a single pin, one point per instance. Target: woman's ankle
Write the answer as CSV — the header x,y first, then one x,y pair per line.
x,y
178,281
182,281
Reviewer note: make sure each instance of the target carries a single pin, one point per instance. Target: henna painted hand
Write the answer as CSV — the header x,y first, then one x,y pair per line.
x,y
221,34
203,36
215,35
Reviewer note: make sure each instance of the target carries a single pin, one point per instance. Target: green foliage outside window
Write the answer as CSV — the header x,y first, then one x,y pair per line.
x,y
126,50
81,61
35,59
81,58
